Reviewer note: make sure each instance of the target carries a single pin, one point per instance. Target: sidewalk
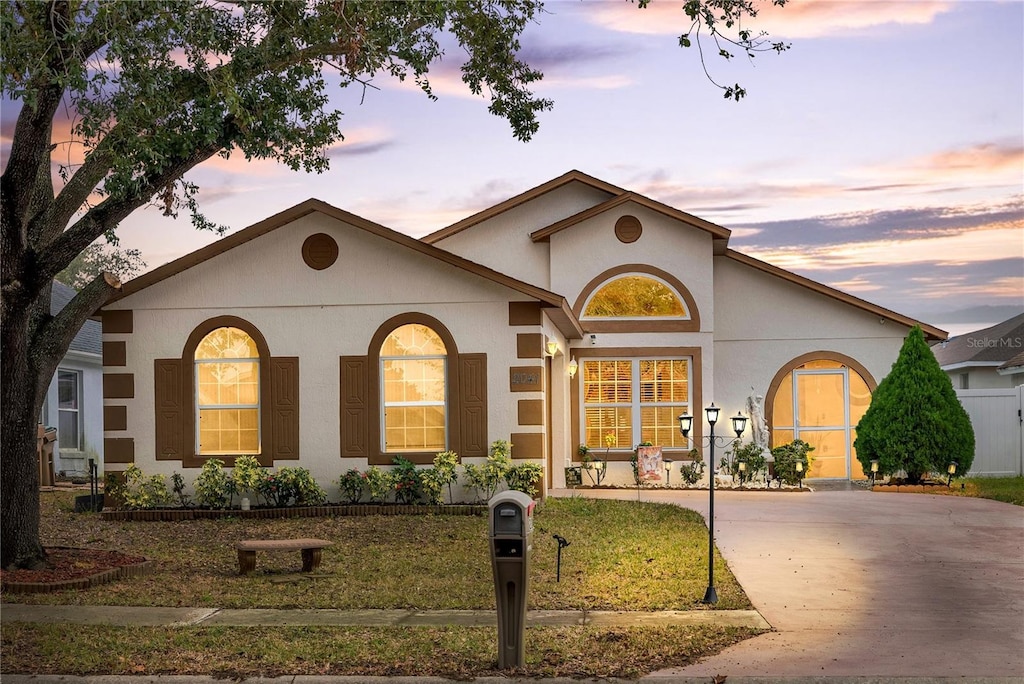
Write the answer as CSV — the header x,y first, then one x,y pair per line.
x,y
184,617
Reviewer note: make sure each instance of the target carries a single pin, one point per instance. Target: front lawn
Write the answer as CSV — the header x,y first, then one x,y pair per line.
x,y
623,555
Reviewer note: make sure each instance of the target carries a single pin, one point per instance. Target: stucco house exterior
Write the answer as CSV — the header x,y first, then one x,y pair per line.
x,y
74,399
991,358
574,313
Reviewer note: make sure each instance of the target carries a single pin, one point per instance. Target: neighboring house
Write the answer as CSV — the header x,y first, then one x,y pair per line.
x,y
991,358
574,313
74,400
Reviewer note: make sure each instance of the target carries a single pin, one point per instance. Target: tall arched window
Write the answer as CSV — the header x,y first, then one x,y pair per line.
x,y
414,390
227,393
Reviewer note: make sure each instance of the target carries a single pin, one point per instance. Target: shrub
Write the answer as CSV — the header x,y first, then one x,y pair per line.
x,y
352,484
691,474
523,477
300,484
407,480
247,474
751,454
915,422
446,466
144,492
178,485
214,488
378,484
786,457
476,478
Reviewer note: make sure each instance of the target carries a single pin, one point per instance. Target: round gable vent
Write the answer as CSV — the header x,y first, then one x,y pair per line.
x,y
628,229
319,251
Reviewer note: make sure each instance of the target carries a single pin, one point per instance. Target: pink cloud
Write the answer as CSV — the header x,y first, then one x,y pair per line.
x,y
798,19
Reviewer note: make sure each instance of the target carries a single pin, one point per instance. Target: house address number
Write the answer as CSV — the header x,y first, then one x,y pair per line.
x,y
526,379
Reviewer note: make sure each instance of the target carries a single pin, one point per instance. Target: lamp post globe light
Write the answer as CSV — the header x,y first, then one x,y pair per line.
x,y
739,424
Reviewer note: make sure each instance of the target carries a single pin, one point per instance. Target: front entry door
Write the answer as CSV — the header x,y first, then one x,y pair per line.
x,y
821,403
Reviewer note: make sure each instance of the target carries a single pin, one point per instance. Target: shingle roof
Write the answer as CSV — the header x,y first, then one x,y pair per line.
x,y
1015,362
90,338
989,346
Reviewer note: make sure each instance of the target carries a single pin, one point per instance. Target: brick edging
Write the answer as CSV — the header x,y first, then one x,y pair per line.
x,y
121,572
175,514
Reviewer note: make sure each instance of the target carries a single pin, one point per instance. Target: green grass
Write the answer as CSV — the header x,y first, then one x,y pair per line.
x,y
460,653
622,556
1005,489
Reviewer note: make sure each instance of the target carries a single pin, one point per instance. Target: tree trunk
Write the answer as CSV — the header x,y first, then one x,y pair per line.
x,y
19,466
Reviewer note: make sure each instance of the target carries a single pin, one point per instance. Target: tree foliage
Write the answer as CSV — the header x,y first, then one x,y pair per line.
x,y
127,97
915,423
97,259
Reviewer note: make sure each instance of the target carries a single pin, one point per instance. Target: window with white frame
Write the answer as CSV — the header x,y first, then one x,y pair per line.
x,y
629,401
413,376
227,381
69,409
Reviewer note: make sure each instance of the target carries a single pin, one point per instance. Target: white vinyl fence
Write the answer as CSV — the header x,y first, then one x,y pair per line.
x,y
998,430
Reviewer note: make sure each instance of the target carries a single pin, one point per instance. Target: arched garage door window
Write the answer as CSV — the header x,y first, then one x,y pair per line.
x,y
820,399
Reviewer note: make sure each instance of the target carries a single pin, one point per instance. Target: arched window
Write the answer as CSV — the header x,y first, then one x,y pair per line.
x,y
227,393
414,390
635,296
819,398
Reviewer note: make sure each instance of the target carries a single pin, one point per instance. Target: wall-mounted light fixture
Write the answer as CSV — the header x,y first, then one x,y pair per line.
x,y
552,347
573,367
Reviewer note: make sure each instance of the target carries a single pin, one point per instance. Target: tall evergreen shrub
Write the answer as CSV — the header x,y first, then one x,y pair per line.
x,y
915,422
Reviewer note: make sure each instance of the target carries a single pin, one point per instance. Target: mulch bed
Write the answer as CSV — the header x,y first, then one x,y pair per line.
x,y
73,568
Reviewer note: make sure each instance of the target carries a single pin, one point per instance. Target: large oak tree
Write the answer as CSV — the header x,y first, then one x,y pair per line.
x,y
155,88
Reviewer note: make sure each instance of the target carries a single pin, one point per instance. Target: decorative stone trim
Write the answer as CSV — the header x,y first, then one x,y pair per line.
x,y
340,510
105,577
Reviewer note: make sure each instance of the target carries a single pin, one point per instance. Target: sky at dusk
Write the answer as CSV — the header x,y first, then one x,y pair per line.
x,y
883,154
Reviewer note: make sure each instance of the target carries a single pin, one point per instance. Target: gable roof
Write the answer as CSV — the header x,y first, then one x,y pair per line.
x,y
718,232
930,332
89,338
557,307
990,346
573,176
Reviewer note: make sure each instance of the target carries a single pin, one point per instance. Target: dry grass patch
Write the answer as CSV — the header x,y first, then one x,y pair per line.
x,y
460,653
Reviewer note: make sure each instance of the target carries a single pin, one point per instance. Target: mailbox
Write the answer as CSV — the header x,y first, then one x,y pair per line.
x,y
511,535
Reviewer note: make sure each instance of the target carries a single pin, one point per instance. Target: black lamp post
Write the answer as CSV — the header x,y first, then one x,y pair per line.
x,y
739,424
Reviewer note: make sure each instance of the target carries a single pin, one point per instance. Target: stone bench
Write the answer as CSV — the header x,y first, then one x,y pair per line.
x,y
310,549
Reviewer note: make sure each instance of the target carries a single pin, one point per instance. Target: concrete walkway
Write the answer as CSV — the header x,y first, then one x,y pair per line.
x,y
865,584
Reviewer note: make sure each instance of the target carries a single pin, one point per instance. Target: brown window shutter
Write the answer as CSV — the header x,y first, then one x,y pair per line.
x,y
170,410
355,403
284,407
473,404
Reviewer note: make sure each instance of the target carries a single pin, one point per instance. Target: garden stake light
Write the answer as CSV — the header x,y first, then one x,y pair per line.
x,y
739,423
874,471
800,474
951,470
668,471
562,543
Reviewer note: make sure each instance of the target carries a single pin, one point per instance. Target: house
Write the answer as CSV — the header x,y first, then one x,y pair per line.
x,y
74,399
574,313
990,358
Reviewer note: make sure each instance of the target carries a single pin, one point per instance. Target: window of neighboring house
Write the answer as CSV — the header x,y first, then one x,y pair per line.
x,y
227,381
629,401
413,375
69,409
635,296
965,381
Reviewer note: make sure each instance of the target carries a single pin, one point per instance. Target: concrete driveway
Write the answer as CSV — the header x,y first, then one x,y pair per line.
x,y
859,583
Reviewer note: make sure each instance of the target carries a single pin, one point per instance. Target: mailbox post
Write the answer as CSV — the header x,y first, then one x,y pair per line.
x,y
511,532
